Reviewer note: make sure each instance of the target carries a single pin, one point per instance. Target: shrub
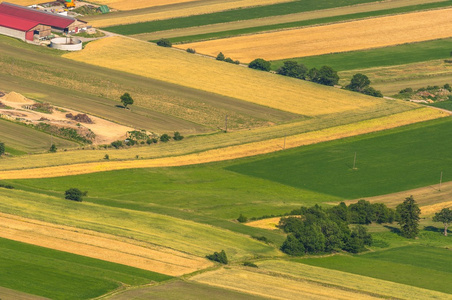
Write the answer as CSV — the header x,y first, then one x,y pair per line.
x,y
237,62
74,194
229,60
2,148
260,64
164,43
250,264
242,218
117,144
220,56
261,238
164,138
177,136
53,148
219,257
6,186
107,157
191,50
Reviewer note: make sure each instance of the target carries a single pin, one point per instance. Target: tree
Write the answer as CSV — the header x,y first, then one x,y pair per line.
x,y
242,218
358,83
445,217
177,136
53,148
260,64
327,76
220,56
292,69
219,257
74,194
164,138
408,217
126,99
164,43
2,148
313,75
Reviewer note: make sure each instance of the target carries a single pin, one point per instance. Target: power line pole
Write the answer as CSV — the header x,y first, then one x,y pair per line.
x,y
226,124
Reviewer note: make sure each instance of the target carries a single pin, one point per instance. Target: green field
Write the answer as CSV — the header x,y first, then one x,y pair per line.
x,y
395,160
281,26
60,275
381,57
232,15
420,266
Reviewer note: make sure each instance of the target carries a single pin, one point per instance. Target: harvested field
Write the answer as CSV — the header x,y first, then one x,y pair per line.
x,y
234,152
22,2
269,223
350,281
101,246
139,4
275,287
230,80
189,8
372,33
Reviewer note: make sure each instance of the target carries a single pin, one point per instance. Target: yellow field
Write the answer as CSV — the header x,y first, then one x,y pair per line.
x,y
197,8
101,246
23,2
350,281
341,37
227,153
275,287
194,71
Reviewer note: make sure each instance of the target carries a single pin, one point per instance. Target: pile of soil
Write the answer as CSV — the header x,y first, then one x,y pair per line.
x,y
82,118
16,97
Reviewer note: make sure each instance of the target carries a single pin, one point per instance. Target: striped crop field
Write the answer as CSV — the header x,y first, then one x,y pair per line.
x,y
197,72
276,287
189,8
350,281
341,37
227,153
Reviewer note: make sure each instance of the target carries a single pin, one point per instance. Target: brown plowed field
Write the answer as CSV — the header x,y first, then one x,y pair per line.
x,y
101,246
341,37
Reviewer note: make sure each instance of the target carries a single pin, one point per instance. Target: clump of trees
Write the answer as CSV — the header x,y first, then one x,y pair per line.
x,y
361,83
74,194
218,257
445,217
260,64
221,57
164,43
326,75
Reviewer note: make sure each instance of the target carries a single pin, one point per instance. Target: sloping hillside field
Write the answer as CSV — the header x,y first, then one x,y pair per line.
x,y
372,33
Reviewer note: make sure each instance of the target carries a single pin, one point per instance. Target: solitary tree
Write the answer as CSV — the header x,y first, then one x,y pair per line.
x,y
408,217
445,217
260,64
126,99
73,194
220,56
358,83
2,148
53,148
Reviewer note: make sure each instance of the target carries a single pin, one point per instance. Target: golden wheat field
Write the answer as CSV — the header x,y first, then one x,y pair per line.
x,y
101,246
350,281
233,152
275,287
341,37
197,8
179,67
22,2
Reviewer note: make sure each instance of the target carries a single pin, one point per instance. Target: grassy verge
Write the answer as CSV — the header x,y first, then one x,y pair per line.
x,y
232,15
420,266
60,275
320,21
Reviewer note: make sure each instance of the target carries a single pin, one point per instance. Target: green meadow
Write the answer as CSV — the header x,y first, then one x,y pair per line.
x,y
415,265
60,275
380,57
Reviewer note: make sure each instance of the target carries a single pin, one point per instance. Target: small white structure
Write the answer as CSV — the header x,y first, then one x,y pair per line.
x,y
66,44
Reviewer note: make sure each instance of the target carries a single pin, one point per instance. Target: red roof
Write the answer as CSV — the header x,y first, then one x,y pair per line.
x,y
16,23
31,14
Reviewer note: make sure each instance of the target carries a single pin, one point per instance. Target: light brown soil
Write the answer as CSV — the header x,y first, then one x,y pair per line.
x,y
105,131
8,294
100,246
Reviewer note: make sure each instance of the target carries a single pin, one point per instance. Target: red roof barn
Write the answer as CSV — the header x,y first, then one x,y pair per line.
x,y
23,22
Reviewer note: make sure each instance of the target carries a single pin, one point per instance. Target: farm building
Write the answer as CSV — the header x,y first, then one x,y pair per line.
x,y
24,22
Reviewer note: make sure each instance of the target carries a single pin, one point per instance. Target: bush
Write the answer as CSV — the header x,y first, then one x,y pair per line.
x,y
218,257
53,148
242,218
220,56
165,138
2,148
74,194
164,43
177,136
229,60
117,144
250,264
107,157
261,238
191,50
6,186
260,64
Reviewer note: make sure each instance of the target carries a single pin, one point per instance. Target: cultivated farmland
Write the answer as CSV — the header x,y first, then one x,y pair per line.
x,y
373,33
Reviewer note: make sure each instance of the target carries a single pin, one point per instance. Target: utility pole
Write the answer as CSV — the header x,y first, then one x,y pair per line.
x,y
226,124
